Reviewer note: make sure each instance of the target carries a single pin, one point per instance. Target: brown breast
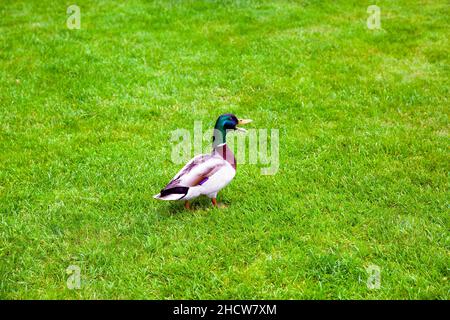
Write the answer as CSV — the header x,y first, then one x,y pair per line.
x,y
226,154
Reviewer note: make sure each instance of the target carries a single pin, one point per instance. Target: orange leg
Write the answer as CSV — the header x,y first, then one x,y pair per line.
x,y
187,205
214,202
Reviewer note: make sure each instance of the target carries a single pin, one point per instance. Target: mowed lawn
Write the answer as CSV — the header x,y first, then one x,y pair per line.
x,y
86,119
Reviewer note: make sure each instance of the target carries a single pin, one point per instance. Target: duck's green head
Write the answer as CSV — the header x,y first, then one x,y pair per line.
x,y
224,123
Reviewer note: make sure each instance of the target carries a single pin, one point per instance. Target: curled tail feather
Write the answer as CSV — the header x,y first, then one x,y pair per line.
x,y
175,193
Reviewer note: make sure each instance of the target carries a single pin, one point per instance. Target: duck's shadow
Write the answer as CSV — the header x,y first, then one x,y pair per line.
x,y
200,204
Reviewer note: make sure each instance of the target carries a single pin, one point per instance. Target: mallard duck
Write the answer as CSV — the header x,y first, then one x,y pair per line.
x,y
206,174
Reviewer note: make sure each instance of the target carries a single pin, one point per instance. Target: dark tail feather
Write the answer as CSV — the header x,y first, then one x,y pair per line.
x,y
175,193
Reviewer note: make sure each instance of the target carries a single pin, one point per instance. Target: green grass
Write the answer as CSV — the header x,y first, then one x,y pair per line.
x,y
86,116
